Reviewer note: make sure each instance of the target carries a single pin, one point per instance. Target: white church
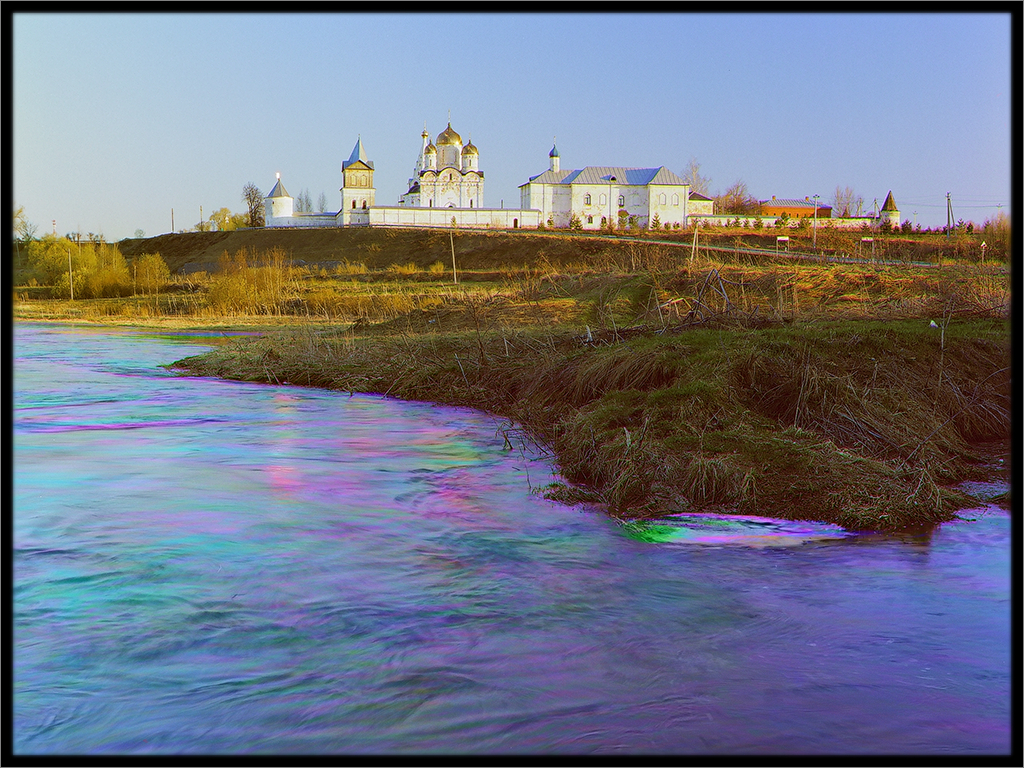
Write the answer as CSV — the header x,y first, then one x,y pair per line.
x,y
447,185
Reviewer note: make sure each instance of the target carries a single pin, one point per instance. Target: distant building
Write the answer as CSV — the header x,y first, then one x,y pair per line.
x,y
447,187
795,208
446,175
889,212
700,205
597,194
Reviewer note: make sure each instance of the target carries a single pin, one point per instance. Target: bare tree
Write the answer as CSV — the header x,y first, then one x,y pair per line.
x,y
699,184
253,198
24,230
845,202
736,199
304,203
321,202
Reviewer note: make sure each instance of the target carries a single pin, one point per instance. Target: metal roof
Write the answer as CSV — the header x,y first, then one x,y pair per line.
x,y
278,190
790,202
358,154
889,204
608,174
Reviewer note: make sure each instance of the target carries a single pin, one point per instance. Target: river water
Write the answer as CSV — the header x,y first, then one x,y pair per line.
x,y
215,567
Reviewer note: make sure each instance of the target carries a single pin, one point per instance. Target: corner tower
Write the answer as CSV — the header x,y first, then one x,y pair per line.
x,y
889,211
278,204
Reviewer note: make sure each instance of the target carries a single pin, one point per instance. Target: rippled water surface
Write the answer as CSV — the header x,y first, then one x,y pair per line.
x,y
204,566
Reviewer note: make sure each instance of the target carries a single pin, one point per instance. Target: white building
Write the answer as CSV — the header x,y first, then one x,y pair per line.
x,y
447,187
447,175
598,195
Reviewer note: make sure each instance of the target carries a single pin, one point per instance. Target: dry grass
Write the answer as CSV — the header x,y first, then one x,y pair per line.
x,y
660,383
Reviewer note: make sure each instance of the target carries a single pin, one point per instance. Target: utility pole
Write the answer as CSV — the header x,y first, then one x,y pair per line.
x,y
815,222
949,215
71,276
172,221
451,238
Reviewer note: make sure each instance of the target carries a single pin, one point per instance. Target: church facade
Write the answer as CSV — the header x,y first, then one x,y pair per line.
x,y
446,188
447,175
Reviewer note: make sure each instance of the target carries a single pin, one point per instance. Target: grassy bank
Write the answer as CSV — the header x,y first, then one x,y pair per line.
x,y
856,423
662,378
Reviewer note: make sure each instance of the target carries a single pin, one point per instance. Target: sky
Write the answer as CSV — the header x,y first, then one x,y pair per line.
x,y
120,118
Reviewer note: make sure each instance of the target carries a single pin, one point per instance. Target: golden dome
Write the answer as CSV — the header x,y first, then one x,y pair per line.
x,y
431,149
448,136
470,149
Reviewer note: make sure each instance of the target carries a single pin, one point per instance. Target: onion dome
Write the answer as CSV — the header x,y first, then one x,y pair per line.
x,y
553,152
448,136
470,149
431,149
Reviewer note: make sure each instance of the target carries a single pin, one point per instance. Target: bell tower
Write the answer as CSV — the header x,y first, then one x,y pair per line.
x,y
357,191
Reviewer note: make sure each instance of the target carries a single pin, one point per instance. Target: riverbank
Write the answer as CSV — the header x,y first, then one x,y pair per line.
x,y
662,378
864,424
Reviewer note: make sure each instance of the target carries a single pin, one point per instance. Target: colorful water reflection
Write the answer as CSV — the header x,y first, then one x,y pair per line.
x,y
210,567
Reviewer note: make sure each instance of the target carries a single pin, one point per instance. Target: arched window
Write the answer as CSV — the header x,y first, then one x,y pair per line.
x,y
590,219
586,199
515,223
622,200
470,202
603,199
675,199
353,204
364,205
661,199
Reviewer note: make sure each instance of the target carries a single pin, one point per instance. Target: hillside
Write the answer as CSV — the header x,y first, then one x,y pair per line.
x,y
380,247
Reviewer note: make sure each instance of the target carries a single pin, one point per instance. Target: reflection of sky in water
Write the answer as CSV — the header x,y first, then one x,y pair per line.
x,y
205,566
746,530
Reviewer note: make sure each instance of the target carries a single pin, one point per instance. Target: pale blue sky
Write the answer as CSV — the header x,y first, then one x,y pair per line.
x,y
118,118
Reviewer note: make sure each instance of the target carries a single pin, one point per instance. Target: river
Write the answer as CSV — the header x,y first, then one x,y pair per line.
x,y
214,567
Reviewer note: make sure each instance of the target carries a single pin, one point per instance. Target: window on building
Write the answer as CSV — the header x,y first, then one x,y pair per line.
x,y
603,199
364,205
675,199
590,219
353,203
622,200
661,198
586,199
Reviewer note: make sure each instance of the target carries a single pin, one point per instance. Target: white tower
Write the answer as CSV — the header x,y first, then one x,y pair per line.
x,y
553,157
357,191
278,204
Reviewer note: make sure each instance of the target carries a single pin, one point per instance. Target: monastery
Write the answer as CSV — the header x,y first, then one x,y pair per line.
x,y
447,184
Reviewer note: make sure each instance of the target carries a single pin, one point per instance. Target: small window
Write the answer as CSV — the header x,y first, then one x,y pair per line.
x,y
622,200
353,203
364,205
590,219
675,199
603,199
586,199
662,198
